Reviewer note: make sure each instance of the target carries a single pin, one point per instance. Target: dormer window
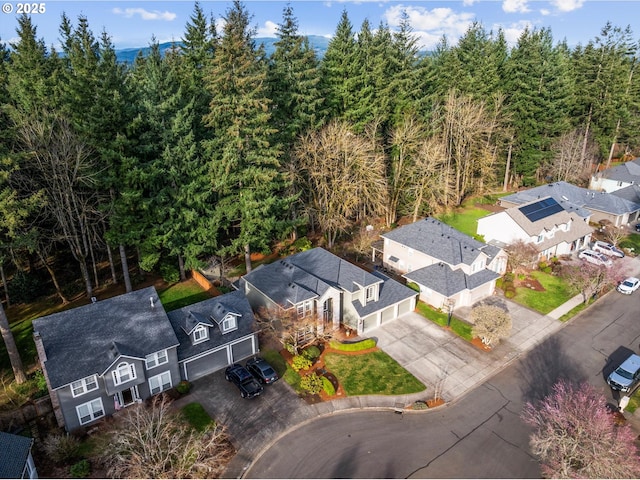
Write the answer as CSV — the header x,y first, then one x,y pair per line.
x,y
124,372
200,334
539,239
370,293
228,324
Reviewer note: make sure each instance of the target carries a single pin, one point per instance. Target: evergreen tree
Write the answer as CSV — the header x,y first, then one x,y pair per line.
x,y
244,163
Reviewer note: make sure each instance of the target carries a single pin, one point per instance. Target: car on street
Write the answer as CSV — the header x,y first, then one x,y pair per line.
x,y
240,376
262,371
596,258
607,249
626,376
637,227
629,285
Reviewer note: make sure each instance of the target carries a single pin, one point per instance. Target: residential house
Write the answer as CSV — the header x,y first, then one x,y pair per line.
x,y
543,223
451,268
16,460
318,283
591,205
213,334
110,354
615,178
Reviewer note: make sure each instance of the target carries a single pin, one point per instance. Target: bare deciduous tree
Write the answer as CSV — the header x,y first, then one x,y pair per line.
x,y
490,323
568,163
576,437
429,179
522,256
152,441
294,332
343,175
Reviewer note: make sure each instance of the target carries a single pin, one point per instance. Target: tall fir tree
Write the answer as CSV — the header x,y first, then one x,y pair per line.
x,y
245,167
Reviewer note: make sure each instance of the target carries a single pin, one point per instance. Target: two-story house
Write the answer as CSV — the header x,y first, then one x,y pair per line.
x,y
318,283
113,353
451,268
616,178
543,223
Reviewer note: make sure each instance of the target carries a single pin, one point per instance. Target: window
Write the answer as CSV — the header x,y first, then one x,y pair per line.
x,y
83,386
200,334
229,323
304,309
370,293
90,411
160,382
539,239
124,372
155,359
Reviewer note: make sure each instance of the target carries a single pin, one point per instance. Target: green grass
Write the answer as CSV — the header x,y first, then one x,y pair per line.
x,y
459,327
182,294
634,402
374,373
353,347
556,293
631,242
275,360
573,312
465,220
197,416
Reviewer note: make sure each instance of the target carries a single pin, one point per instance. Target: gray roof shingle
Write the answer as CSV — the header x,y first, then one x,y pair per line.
x,y
391,292
307,275
15,451
232,302
440,241
82,341
573,198
440,278
627,172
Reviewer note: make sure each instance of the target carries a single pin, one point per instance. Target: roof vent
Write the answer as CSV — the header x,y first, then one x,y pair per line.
x,y
564,198
94,299
151,301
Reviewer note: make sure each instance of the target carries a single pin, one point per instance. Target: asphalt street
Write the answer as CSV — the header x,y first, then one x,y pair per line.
x,y
479,436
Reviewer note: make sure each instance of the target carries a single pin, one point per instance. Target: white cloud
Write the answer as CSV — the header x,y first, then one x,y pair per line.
x,y
515,6
545,12
468,3
145,14
512,32
567,5
268,30
430,25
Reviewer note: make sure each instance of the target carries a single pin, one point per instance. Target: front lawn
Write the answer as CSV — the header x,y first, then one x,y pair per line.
x,y
555,294
459,327
374,373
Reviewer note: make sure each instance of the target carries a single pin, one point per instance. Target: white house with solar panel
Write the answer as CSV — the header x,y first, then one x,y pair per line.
x,y
543,223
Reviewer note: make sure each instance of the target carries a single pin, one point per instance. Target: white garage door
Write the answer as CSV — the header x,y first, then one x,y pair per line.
x,y
405,307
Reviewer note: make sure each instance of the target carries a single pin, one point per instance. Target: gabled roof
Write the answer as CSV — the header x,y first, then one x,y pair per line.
x,y
234,302
441,278
15,451
630,193
83,341
440,241
578,228
628,172
307,275
193,319
390,293
573,198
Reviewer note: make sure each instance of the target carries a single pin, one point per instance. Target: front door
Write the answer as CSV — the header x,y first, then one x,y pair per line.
x,y
127,397
327,312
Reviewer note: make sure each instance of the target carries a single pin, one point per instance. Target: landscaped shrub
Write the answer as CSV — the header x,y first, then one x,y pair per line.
x,y
353,347
41,383
413,286
328,387
82,469
183,387
62,448
420,405
311,352
23,287
544,267
508,277
300,362
510,293
312,383
169,273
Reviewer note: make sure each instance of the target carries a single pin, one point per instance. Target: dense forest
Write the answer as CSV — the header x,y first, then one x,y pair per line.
x,y
217,148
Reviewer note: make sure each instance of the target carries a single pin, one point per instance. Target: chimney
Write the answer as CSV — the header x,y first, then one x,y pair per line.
x,y
151,301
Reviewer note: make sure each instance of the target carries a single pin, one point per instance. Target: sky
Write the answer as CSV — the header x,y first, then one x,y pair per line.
x,y
133,23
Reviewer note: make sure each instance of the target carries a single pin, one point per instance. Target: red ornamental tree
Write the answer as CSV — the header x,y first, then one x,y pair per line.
x,y
575,436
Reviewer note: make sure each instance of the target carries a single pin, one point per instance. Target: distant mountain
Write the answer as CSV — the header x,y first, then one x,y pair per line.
x,y
128,55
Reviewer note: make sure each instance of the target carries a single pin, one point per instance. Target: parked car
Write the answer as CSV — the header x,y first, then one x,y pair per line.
x,y
626,376
607,249
240,376
637,227
262,371
629,285
596,258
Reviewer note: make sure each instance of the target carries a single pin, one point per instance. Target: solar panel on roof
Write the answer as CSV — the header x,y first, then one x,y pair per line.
x,y
541,209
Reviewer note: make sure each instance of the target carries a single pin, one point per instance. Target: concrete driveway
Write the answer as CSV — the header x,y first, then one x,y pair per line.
x,y
441,359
